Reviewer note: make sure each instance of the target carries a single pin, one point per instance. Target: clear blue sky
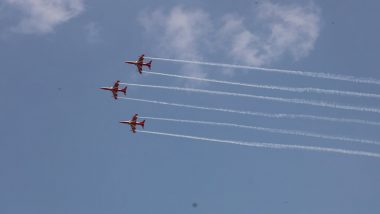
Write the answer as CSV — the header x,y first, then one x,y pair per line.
x,y
62,149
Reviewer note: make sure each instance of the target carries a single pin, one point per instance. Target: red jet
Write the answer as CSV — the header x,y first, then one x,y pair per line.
x,y
140,63
133,123
115,89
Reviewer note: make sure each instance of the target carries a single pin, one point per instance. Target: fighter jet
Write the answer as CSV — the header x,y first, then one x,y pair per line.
x,y
115,89
133,123
140,63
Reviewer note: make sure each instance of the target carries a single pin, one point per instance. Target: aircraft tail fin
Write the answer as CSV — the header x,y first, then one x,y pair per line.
x,y
143,123
124,90
149,64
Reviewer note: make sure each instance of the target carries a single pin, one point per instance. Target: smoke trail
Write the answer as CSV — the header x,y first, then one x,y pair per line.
x,y
300,73
260,114
278,99
271,130
290,89
271,145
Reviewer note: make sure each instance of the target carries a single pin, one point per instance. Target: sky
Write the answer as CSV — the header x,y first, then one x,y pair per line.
x,y
63,150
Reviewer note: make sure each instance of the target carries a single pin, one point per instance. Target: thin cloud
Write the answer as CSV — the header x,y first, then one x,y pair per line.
x,y
178,33
278,31
42,16
92,31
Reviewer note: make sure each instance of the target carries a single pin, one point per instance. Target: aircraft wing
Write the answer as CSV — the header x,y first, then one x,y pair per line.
x,y
141,59
139,68
134,118
116,85
133,128
114,93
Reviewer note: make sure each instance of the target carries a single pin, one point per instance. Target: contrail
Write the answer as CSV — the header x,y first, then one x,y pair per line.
x,y
271,130
260,114
293,72
278,99
271,145
290,89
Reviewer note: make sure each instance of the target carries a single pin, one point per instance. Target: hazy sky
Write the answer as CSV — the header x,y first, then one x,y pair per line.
x,y
62,149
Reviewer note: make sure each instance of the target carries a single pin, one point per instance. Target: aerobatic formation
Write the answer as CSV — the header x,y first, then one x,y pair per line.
x,y
134,123
115,89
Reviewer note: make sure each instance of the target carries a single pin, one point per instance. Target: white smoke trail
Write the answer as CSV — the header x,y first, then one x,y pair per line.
x,y
300,73
278,99
272,87
271,145
260,114
271,130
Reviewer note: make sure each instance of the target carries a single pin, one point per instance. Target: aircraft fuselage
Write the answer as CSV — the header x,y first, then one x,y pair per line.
x,y
137,63
132,122
111,89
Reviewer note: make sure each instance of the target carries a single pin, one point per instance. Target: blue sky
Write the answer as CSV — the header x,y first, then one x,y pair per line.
x,y
62,149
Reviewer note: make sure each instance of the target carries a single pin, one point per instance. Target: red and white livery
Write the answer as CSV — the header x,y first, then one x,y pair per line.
x,y
140,63
115,89
133,123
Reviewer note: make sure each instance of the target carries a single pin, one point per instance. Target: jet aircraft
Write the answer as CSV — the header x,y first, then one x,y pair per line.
x,y
133,123
140,63
115,89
